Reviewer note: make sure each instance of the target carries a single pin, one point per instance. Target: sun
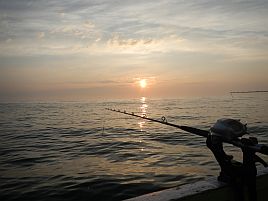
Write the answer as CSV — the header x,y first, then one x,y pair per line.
x,y
143,83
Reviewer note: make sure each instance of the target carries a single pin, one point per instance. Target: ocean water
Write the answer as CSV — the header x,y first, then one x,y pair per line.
x,y
80,151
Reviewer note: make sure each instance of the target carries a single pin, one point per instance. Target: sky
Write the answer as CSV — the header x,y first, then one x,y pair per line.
x,y
102,49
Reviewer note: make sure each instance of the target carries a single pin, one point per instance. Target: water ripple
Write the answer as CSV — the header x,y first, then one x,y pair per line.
x,y
78,151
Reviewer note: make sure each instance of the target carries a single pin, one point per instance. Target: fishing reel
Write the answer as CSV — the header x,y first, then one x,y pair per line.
x,y
228,129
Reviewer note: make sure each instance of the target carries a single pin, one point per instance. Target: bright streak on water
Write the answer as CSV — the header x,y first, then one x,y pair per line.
x,y
79,151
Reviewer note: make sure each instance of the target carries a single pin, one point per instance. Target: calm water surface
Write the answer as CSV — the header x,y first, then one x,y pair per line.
x,y
79,151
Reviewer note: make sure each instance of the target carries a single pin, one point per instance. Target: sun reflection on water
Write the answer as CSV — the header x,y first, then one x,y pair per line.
x,y
143,110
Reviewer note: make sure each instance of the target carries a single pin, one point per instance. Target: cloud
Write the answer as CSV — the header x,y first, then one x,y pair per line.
x,y
124,45
40,35
76,31
135,27
117,41
9,40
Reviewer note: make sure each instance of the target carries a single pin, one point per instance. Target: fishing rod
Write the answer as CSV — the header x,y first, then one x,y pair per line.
x,y
248,92
261,148
163,120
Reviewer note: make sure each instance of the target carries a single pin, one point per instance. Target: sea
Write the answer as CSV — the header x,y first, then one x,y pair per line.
x,y
78,151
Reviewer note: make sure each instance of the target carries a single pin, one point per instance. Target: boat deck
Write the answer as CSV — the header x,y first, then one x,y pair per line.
x,y
211,189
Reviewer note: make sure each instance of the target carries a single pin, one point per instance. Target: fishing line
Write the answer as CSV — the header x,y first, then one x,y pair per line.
x,y
103,123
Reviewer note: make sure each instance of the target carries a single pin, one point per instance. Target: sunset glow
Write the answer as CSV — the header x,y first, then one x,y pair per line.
x,y
143,83
81,50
